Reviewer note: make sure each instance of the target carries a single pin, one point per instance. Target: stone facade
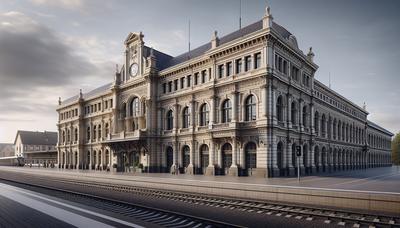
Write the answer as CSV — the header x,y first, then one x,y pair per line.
x,y
238,105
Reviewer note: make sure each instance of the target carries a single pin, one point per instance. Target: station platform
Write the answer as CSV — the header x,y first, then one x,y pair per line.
x,y
383,179
376,189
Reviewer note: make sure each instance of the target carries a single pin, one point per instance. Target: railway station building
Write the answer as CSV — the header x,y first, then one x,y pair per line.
x,y
238,105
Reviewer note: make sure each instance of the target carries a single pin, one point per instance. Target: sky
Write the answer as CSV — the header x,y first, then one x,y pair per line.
x,y
53,48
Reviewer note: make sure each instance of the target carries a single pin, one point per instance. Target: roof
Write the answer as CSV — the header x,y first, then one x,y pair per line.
x,y
225,39
376,126
6,149
89,94
37,138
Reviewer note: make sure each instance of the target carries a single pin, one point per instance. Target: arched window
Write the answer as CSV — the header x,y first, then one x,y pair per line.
x,y
88,133
304,117
294,113
186,156
251,155
204,115
135,107
107,129
185,118
107,157
68,136
226,111
170,120
99,132
76,135
323,129
279,108
63,136
250,108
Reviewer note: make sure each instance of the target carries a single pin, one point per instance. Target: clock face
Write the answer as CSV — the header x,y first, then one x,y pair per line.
x,y
133,70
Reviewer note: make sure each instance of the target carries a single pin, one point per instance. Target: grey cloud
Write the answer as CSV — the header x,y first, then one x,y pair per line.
x,y
33,55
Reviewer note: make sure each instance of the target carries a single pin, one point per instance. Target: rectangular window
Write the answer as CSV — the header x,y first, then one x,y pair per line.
x,y
295,73
189,80
99,106
247,61
203,76
106,105
257,60
164,87
196,78
91,108
228,68
170,86
238,66
220,71
176,84
111,103
285,66
182,82
95,107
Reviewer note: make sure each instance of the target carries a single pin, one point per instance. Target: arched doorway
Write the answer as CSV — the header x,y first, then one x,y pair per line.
x,y
204,158
251,157
279,158
226,152
316,158
185,157
305,158
323,159
170,157
107,159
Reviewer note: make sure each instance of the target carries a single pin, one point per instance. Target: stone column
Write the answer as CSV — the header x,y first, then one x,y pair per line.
x,y
264,97
235,107
291,169
210,171
212,111
289,110
312,118
191,166
233,170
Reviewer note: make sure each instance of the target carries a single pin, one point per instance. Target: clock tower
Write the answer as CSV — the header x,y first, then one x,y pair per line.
x,y
133,56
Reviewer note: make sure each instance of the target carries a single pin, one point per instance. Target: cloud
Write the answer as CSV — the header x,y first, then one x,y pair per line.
x,y
68,4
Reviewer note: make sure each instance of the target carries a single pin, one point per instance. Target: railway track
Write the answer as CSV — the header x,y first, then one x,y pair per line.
x,y
154,216
328,216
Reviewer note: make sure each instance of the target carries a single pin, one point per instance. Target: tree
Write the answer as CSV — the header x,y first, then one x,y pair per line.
x,y
396,149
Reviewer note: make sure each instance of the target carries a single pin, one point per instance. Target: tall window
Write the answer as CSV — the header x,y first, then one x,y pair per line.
x,y
88,133
316,123
295,73
169,87
189,81
220,71
107,129
186,118
94,132
251,155
257,60
186,156
182,82
196,78
99,132
63,136
250,108
247,61
294,113
76,135
176,84
68,136
305,115
204,115
228,68
170,120
203,76
226,111
238,66
164,87
279,108
135,107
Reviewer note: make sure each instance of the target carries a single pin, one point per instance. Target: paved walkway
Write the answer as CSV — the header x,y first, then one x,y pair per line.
x,y
384,179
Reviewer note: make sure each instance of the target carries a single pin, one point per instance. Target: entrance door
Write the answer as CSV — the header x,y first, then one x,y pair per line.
x,y
170,157
226,158
204,158
251,157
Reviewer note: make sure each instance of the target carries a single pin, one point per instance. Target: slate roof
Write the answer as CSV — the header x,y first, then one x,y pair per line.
x,y
223,40
372,124
37,138
89,94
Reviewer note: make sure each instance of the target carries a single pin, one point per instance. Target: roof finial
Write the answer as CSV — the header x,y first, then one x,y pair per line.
x,y
59,100
311,55
80,94
267,19
214,40
116,68
364,106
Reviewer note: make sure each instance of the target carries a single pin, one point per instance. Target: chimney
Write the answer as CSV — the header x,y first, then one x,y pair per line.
x,y
214,40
